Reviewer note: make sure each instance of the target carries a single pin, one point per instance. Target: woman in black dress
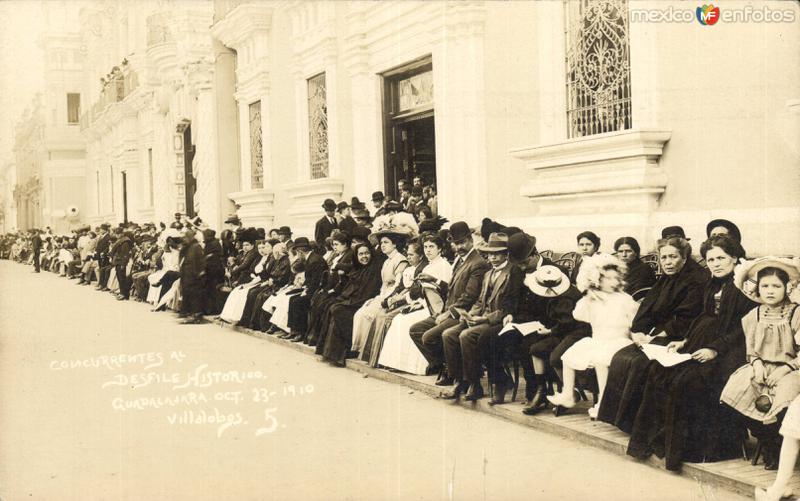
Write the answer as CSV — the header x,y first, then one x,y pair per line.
x,y
339,265
663,316
364,282
639,276
681,418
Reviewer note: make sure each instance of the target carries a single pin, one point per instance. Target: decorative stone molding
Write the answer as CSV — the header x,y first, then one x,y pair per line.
x,y
306,201
255,206
615,172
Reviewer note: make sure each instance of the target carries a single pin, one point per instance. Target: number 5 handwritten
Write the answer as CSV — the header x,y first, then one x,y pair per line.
x,y
273,423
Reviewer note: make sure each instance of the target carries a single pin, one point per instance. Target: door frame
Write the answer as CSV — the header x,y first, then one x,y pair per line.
x,y
392,118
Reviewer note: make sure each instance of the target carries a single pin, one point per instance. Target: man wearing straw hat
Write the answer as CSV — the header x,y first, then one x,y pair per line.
x,y
474,339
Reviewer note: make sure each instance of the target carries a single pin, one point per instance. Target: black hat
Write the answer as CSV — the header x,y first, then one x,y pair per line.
x,y
355,203
459,231
233,219
178,214
673,231
247,235
488,227
511,230
378,196
395,206
329,204
733,230
521,246
360,232
341,206
209,234
261,233
285,230
302,243
433,224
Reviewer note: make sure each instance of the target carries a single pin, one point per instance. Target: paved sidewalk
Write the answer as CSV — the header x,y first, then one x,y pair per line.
x,y
103,399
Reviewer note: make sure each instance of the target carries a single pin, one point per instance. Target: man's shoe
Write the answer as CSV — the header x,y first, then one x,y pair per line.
x,y
499,397
283,335
433,369
537,402
297,338
475,392
121,298
444,380
460,388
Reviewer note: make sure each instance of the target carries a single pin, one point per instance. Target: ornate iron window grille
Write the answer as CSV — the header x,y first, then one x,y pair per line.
x,y
598,67
256,152
318,127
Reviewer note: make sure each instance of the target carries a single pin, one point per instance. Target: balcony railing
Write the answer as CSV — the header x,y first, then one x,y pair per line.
x,y
121,85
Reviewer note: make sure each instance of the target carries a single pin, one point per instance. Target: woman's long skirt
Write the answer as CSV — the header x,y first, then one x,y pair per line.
x,y
377,333
234,305
340,334
399,351
681,418
627,376
362,322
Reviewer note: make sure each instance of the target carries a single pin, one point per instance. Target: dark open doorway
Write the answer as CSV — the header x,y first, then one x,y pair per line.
x,y
410,139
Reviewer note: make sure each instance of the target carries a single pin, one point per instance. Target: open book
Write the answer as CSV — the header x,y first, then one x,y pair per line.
x,y
664,357
524,329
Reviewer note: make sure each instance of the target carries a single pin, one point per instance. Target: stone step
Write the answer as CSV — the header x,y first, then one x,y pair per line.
x,y
736,475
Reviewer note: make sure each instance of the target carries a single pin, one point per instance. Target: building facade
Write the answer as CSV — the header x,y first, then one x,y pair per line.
x,y
616,116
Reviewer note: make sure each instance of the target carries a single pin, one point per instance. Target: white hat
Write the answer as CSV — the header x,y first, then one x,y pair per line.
x,y
547,281
745,275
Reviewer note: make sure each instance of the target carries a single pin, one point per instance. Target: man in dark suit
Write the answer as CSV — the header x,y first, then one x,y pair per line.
x,y
326,223
215,270
299,305
120,255
379,201
346,221
36,244
101,256
473,340
192,276
462,292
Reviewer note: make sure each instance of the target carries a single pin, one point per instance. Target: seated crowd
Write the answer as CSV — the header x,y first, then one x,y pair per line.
x,y
685,355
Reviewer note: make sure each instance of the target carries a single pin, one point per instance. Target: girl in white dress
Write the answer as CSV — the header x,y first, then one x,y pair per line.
x,y
170,261
610,313
399,351
234,305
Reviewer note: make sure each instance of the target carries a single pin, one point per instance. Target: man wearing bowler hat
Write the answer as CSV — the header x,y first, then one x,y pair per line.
x,y
346,221
326,223
462,292
378,201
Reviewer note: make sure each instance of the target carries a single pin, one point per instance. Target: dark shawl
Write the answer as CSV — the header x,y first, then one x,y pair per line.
x,y
672,304
639,276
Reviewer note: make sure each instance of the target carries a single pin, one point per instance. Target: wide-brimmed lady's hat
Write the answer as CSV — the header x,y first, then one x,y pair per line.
x,y
547,281
498,242
402,231
745,275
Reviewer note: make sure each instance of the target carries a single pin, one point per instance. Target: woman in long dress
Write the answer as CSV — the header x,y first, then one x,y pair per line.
x,y
234,305
364,281
278,304
341,262
680,417
399,351
170,267
394,304
392,242
663,316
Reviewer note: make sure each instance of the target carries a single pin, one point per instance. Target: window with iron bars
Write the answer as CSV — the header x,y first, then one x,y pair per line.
x,y
598,67
318,127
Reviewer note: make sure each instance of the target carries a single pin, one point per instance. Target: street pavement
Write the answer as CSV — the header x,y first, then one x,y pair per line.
x,y
105,400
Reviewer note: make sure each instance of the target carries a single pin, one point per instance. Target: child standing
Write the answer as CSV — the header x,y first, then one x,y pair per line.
x,y
610,313
763,388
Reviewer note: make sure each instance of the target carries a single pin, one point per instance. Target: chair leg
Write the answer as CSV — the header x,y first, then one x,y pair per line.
x,y
756,454
516,381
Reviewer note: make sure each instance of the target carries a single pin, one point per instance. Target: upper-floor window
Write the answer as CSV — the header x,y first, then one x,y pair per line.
x,y
598,67
73,108
318,127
